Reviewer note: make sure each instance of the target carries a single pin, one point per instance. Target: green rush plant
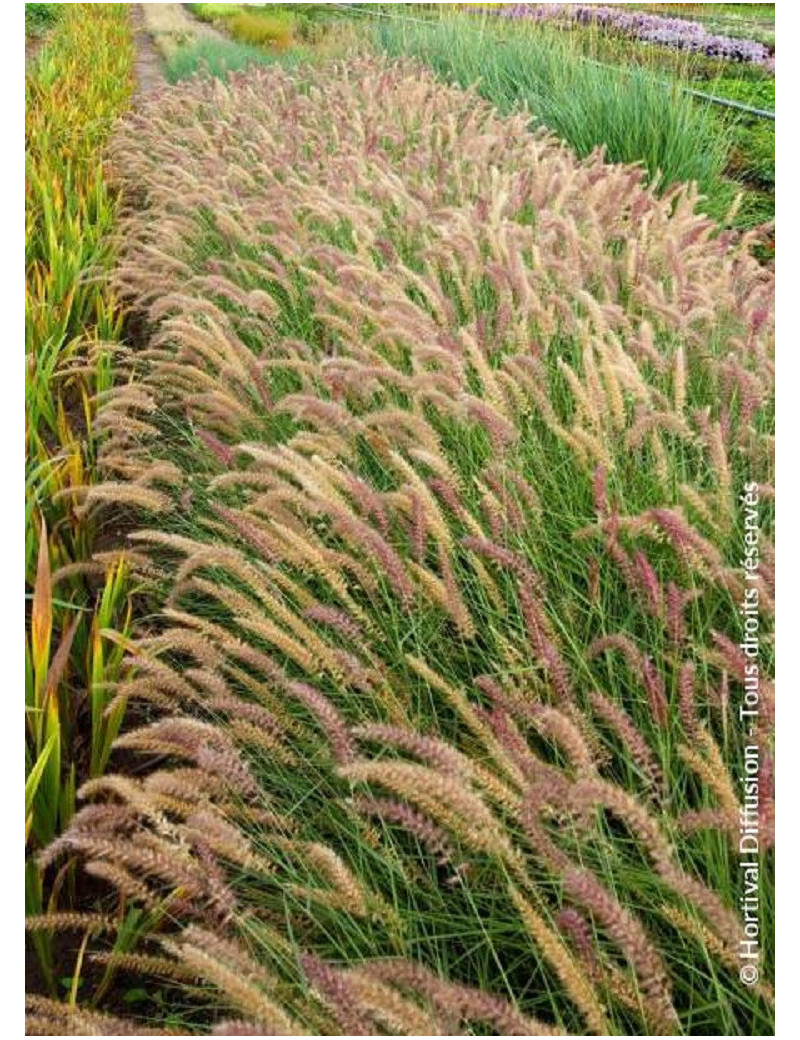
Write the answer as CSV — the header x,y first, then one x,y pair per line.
x,y
217,58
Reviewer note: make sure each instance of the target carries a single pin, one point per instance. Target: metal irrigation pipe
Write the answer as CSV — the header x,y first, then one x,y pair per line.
x,y
712,99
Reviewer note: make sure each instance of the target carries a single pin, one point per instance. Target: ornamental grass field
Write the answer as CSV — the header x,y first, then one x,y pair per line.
x,y
431,439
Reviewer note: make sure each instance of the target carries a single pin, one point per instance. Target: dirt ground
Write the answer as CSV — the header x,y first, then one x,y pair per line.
x,y
148,64
32,45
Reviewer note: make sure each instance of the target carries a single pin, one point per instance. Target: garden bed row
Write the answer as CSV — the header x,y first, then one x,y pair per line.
x,y
436,439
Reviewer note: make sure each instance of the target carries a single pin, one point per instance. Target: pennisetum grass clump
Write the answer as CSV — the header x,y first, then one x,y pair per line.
x,y
442,669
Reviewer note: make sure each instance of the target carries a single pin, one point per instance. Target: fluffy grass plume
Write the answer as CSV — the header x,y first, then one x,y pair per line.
x,y
446,432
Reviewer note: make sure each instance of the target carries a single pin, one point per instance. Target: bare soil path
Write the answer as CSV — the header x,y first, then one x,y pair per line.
x,y
148,63
32,45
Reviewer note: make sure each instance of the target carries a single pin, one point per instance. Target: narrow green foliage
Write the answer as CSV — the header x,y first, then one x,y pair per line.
x,y
80,84
214,58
